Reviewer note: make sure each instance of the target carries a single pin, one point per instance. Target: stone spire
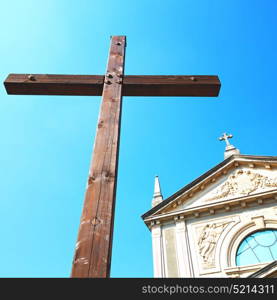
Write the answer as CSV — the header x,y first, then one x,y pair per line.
x,y
230,149
157,197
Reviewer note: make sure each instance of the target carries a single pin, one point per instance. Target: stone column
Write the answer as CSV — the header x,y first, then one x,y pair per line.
x,y
183,249
157,250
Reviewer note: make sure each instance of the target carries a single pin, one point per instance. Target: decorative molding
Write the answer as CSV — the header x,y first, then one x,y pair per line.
x,y
227,208
243,271
235,204
259,221
248,224
243,183
243,204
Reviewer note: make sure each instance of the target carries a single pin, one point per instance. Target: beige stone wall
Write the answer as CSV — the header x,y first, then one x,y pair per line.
x,y
198,234
214,240
206,247
169,246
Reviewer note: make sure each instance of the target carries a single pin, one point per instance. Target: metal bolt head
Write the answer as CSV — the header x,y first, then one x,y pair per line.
x,y
31,77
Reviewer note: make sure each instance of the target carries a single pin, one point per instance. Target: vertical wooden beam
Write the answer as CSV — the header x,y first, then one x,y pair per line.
x,y
93,249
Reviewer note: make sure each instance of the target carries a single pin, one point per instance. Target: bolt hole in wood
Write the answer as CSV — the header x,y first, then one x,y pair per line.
x,y
91,179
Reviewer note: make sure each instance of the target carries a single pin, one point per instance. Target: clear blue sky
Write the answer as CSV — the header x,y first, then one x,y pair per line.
x,y
46,141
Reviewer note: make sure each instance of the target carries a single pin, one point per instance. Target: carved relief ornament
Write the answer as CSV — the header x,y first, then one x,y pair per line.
x,y
243,183
207,242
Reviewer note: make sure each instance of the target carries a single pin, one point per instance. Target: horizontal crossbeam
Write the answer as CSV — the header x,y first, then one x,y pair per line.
x,y
133,85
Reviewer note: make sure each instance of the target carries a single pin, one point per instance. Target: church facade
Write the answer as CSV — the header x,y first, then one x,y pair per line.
x,y
223,224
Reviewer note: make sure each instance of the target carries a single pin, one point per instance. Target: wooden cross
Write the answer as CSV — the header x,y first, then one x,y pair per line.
x,y
93,249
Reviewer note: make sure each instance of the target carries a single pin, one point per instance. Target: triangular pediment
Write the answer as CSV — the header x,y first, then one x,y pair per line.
x,y
237,176
236,183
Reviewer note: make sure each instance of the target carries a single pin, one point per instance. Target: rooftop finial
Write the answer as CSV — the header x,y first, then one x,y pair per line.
x,y
157,197
225,138
229,149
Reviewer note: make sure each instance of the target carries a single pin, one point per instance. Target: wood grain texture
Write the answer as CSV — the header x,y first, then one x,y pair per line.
x,y
168,85
46,84
133,85
93,249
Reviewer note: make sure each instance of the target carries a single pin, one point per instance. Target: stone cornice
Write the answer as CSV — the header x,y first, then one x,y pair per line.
x,y
216,207
251,161
266,271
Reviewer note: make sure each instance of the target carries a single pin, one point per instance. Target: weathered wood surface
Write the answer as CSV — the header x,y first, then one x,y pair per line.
x,y
45,84
93,249
168,85
133,85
